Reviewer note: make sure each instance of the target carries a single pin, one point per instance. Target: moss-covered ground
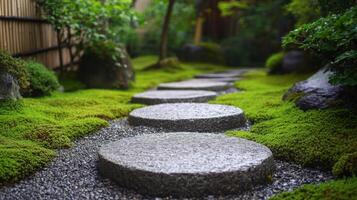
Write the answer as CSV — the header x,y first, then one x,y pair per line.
x,y
333,190
316,138
33,128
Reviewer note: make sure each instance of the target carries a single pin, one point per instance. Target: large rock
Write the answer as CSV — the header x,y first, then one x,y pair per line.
x,y
9,88
186,164
315,92
100,71
197,117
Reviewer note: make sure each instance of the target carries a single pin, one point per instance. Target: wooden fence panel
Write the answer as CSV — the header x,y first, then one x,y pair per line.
x,y
24,33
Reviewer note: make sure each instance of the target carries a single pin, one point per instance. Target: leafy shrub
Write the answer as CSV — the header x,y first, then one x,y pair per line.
x,y
333,40
16,68
274,61
42,80
346,165
305,11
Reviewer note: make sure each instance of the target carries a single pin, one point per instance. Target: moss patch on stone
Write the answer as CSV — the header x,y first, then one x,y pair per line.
x,y
317,138
33,128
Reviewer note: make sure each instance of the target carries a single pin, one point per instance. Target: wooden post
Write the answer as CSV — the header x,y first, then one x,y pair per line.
x,y
59,43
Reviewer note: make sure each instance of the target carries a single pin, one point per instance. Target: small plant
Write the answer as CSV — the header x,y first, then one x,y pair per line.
x,y
42,80
274,61
16,68
332,40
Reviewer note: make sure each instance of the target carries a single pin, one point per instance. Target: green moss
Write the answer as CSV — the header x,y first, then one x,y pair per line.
x,y
32,128
336,190
313,138
346,165
42,80
275,61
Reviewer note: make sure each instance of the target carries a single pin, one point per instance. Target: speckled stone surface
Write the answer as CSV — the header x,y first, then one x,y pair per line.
x,y
173,96
186,164
195,85
228,80
219,75
195,117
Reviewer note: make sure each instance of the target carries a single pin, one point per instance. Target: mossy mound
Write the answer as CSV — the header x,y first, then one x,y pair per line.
x,y
42,80
336,190
274,62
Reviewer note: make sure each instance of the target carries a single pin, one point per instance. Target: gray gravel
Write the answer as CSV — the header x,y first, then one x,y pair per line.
x,y
74,175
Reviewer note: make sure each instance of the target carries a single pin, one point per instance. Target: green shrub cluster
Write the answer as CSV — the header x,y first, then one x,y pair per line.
x,y
42,80
16,68
274,61
333,40
332,190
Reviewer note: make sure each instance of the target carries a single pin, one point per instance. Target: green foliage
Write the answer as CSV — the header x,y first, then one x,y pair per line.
x,y
16,68
180,29
274,61
90,20
211,53
335,6
336,190
32,128
305,11
317,138
229,8
261,25
42,80
333,40
346,165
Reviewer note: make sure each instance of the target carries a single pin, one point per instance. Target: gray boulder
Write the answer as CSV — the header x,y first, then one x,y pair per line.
x,y
315,92
9,88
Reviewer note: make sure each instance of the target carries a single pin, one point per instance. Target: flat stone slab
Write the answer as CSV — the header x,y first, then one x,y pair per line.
x,y
195,85
186,164
195,117
226,74
173,96
228,80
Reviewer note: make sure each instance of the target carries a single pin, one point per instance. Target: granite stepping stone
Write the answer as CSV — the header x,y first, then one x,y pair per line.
x,y
173,96
195,117
186,164
226,74
228,80
196,85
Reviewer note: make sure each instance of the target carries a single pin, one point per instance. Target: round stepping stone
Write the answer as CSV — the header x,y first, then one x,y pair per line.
x,y
195,85
218,75
186,164
173,96
229,80
195,117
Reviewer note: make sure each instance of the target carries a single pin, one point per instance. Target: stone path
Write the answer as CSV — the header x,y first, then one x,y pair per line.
x,y
160,163
187,164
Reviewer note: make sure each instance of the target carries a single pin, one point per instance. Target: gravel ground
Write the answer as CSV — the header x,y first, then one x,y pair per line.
x,y
73,174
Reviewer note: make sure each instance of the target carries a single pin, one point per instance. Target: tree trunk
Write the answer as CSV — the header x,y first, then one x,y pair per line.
x,y
165,31
198,30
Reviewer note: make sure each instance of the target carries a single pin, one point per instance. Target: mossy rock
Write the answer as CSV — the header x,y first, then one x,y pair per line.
x,y
106,65
16,68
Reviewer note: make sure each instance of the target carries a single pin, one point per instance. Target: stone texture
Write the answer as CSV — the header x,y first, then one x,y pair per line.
x,y
173,96
195,85
315,92
196,117
186,164
218,75
9,88
228,80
